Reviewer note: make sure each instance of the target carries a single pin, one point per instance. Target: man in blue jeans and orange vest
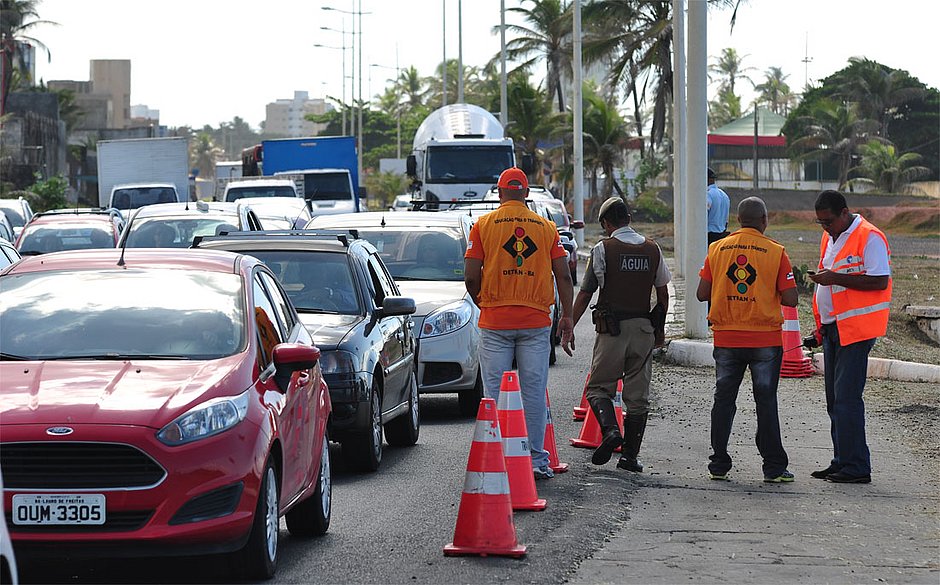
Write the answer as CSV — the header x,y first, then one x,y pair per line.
x,y
851,306
747,277
512,254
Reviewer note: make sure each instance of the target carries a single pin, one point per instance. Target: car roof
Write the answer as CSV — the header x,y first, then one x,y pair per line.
x,y
260,183
150,258
193,208
142,185
70,218
322,241
396,218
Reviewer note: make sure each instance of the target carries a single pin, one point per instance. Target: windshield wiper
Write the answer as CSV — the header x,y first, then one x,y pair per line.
x,y
317,311
9,357
125,356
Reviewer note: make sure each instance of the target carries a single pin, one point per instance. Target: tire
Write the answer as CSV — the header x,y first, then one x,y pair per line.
x,y
258,559
468,401
364,451
311,517
403,430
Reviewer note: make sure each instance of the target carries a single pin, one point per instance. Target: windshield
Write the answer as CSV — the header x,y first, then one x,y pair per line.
x,y
557,212
237,193
419,252
327,186
176,232
45,238
15,218
467,164
191,314
318,282
132,198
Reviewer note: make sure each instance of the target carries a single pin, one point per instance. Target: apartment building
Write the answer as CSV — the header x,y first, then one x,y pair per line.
x,y
284,118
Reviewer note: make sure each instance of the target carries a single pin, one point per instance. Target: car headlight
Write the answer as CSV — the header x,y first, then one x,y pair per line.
x,y
446,319
337,362
208,419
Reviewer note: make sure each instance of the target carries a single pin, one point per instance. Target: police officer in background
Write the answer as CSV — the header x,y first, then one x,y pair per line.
x,y
626,267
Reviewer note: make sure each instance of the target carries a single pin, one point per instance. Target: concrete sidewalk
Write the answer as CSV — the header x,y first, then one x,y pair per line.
x,y
679,526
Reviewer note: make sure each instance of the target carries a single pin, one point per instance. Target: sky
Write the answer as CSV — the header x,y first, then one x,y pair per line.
x,y
206,61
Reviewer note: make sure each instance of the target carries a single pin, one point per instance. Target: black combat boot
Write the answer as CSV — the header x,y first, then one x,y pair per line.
x,y
634,425
603,408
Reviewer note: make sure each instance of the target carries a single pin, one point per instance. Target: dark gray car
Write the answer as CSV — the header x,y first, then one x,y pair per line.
x,y
357,317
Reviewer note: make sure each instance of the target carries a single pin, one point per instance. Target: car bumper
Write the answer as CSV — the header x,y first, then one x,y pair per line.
x,y
195,507
349,395
449,362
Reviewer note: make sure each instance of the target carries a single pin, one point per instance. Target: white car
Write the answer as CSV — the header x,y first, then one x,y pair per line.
x,y
8,572
258,188
424,253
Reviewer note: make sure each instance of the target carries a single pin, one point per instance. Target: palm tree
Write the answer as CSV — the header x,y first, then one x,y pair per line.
x,y
546,36
531,119
412,87
729,68
726,108
835,130
775,92
204,153
878,90
883,169
17,18
605,139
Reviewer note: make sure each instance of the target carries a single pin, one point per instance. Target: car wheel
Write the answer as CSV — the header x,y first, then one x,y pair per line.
x,y
403,430
469,400
258,558
365,451
311,517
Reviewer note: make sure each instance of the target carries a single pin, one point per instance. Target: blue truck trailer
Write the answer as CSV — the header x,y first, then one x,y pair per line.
x,y
325,169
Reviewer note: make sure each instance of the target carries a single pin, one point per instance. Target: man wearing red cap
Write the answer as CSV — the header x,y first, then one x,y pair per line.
x,y
511,257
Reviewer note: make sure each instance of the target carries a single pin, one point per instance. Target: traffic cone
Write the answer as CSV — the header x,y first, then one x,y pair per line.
x,y
795,363
550,439
590,435
484,519
580,411
516,445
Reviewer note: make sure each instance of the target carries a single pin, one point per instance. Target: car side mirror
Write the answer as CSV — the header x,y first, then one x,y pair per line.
x,y
394,306
411,166
292,357
577,225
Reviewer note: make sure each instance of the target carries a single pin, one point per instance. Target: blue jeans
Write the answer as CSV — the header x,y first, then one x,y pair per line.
x,y
845,375
730,363
530,348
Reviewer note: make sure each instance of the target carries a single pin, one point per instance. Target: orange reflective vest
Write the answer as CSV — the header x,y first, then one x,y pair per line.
x,y
859,314
744,269
517,265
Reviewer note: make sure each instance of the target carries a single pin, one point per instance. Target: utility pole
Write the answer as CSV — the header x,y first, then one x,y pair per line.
x,y
679,186
806,61
444,44
460,52
578,132
697,148
503,98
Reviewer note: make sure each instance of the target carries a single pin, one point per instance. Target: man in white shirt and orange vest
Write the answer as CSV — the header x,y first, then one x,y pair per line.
x,y
851,307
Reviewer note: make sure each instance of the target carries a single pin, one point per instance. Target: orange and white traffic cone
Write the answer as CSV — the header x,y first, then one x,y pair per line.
x,y
580,411
550,445
795,363
484,519
516,449
590,436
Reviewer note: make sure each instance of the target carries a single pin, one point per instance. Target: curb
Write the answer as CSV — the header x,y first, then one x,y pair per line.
x,y
689,352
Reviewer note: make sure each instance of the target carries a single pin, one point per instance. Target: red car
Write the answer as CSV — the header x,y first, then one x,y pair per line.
x,y
70,229
158,403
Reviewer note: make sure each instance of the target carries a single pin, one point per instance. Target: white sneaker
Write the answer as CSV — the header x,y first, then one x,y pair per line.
x,y
544,472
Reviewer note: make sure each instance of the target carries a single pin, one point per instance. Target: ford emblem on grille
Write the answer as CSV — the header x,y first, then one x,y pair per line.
x,y
59,431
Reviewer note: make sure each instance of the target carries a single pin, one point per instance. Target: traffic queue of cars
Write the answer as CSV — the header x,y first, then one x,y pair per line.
x,y
148,423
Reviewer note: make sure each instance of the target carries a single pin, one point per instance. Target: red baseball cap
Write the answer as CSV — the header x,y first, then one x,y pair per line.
x,y
513,174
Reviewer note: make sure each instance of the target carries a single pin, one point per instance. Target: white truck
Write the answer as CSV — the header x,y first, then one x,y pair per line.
x,y
142,171
459,152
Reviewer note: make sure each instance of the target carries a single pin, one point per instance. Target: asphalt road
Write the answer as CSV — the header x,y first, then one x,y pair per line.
x,y
390,526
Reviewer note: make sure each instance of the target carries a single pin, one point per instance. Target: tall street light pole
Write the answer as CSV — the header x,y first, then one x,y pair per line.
x,y
460,52
356,11
343,33
397,96
444,50
503,98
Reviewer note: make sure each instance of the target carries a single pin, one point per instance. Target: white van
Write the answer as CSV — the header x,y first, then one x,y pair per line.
x,y
255,188
134,195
